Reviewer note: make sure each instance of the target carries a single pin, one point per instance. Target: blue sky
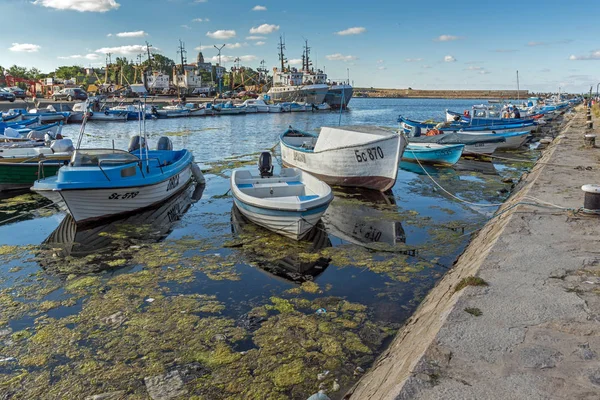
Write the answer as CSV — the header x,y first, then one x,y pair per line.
x,y
395,44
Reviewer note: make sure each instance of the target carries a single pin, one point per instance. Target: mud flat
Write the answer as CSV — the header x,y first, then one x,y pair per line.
x,y
531,330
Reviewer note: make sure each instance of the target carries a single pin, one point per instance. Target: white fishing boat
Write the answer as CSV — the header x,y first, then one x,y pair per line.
x,y
289,203
362,155
80,110
257,104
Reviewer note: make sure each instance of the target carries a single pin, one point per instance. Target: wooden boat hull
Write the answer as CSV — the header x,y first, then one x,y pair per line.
x,y
87,205
15,176
372,165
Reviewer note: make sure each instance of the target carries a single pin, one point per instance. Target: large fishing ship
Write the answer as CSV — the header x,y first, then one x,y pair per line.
x,y
307,84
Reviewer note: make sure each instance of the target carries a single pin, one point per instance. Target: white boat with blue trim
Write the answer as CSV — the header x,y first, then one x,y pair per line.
x,y
359,156
289,203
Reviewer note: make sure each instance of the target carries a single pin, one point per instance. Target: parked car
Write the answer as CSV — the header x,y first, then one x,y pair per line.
x,y
5,95
17,91
70,94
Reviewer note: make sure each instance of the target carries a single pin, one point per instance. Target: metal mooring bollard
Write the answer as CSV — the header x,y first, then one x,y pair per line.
x,y
590,125
589,140
591,201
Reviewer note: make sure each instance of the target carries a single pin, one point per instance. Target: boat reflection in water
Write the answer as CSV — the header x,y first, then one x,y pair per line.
x,y
292,266
479,166
362,217
99,245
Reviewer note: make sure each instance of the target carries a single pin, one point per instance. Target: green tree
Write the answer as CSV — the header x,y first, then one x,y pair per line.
x,y
66,72
17,72
161,63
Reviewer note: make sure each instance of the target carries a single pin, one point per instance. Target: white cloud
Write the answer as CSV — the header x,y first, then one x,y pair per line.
x,y
484,72
380,61
131,34
382,68
595,55
230,59
295,61
200,20
340,57
90,56
203,47
413,59
264,29
222,34
255,37
25,48
109,35
259,8
449,59
235,45
80,5
185,26
259,43
357,30
125,50
474,68
446,38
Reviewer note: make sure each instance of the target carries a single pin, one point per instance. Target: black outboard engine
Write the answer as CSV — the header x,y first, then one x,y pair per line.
x,y
136,142
164,143
265,164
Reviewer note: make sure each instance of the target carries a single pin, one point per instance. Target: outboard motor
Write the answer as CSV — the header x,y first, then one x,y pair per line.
x,y
164,143
265,164
136,143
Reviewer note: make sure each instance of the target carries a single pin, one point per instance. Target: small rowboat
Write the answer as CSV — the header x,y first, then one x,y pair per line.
x,y
290,203
512,140
359,156
474,144
433,153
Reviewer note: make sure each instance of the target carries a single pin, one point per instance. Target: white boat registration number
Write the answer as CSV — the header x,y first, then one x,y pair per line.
x,y
299,157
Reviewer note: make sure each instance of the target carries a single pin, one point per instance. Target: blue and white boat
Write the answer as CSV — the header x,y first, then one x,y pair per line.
x,y
289,203
45,116
100,183
433,153
512,140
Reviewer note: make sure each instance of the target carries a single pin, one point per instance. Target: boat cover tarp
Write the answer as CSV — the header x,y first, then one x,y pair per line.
x,y
336,137
457,138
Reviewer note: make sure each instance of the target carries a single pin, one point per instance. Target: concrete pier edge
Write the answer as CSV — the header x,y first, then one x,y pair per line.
x,y
415,362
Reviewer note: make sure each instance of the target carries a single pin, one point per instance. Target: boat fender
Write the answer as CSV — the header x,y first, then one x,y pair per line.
x,y
106,112
90,114
164,143
197,173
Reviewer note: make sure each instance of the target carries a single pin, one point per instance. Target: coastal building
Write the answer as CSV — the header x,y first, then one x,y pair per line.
x,y
189,80
201,64
157,81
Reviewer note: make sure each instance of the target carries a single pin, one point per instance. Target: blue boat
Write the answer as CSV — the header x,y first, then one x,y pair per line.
x,y
101,183
17,124
416,128
433,153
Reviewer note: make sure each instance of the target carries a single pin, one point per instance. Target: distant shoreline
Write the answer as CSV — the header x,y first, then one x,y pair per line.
x,y
498,95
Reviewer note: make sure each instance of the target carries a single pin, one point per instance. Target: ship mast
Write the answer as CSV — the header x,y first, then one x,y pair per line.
x,y
281,56
182,52
305,57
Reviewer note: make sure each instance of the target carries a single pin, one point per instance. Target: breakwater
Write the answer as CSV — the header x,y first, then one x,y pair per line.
x,y
517,315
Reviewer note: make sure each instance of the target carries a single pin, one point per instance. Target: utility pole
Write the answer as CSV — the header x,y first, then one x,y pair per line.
x,y
518,88
219,75
108,62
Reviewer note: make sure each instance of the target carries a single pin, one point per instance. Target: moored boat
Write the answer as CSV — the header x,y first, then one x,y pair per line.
x,y
289,203
474,144
100,183
362,155
433,153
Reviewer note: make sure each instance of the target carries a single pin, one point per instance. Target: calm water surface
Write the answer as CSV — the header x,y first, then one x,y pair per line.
x,y
193,290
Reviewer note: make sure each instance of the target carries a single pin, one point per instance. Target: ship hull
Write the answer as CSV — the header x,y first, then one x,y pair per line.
x,y
313,94
338,96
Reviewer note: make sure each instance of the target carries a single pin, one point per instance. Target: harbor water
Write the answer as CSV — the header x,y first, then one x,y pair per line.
x,y
193,300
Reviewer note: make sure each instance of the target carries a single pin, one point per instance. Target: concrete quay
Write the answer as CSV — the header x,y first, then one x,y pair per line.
x,y
538,332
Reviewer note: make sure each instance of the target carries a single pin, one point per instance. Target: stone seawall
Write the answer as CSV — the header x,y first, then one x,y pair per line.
x,y
534,331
